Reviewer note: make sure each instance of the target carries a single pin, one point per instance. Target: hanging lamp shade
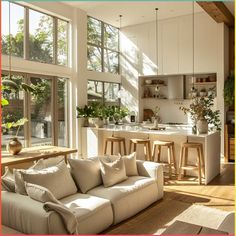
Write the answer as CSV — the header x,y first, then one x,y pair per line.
x,y
157,67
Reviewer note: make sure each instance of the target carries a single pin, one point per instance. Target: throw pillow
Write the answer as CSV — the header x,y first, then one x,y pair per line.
x,y
8,180
44,163
113,172
86,173
57,179
40,193
130,164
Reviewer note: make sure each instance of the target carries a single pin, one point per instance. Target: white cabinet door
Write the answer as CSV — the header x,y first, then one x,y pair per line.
x,y
170,47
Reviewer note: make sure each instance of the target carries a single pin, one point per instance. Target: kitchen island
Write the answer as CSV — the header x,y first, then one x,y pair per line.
x,y
94,138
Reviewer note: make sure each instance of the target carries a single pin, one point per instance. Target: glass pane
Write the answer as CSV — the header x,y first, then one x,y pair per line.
x,y
111,38
62,112
111,62
14,111
95,91
94,58
111,92
41,37
41,112
94,31
13,44
62,42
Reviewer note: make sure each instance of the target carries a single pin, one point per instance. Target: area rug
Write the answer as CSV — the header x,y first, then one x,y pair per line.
x,y
158,217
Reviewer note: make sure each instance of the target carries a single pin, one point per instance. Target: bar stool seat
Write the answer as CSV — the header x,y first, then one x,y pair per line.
x,y
171,161
184,165
145,142
112,140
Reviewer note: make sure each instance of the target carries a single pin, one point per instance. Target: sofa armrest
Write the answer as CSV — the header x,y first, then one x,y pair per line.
x,y
28,216
152,170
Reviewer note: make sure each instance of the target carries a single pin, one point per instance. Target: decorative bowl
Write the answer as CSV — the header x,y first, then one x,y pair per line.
x,y
148,81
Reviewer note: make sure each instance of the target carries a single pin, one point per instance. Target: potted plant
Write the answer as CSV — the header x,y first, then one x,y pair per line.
x,y
203,92
212,91
99,115
201,113
229,91
193,92
85,112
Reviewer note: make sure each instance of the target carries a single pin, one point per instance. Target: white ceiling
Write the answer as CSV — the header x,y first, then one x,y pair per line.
x,y
134,12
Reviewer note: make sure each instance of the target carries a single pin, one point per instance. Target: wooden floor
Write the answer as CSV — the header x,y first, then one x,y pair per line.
x,y
178,195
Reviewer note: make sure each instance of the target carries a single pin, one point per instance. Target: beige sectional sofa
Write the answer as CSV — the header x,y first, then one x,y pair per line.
x,y
96,210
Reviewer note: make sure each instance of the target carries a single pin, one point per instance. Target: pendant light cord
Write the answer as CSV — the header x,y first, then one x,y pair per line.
x,y
193,41
10,40
157,38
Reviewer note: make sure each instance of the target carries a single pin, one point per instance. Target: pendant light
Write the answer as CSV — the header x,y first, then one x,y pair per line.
x,y
10,40
193,52
156,9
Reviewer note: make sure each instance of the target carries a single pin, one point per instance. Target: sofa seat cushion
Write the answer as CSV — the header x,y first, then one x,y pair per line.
x,y
128,197
93,214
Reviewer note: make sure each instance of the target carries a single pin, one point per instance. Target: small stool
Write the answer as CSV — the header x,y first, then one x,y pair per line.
x,y
183,164
171,154
147,146
113,140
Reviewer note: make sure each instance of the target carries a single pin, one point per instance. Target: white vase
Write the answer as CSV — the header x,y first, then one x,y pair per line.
x,y
98,122
202,126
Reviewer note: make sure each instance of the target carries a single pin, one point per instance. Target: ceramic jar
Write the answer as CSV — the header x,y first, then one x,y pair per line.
x,y
202,126
14,146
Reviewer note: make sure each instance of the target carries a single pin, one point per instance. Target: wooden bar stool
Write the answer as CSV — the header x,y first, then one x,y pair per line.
x,y
158,144
183,164
147,147
113,140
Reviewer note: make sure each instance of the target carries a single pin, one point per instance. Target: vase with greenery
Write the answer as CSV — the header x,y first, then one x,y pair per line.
x,y
229,90
200,109
85,112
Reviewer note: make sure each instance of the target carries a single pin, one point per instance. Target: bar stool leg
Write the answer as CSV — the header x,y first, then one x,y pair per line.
x,y
202,160
159,154
153,152
125,153
130,146
105,149
174,158
199,167
185,159
111,148
135,147
181,162
120,148
169,161
149,151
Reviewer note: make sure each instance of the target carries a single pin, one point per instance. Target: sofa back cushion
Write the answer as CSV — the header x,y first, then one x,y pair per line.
x,y
130,164
45,163
57,179
86,173
113,172
8,180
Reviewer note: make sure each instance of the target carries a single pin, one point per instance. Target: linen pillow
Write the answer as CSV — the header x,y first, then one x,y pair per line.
x,y
40,193
57,179
130,164
113,172
86,173
8,180
44,163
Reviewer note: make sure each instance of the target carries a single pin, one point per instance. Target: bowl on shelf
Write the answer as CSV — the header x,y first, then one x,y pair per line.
x,y
148,81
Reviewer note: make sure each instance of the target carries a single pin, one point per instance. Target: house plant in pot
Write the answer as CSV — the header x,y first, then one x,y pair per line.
x,y
85,112
202,114
229,91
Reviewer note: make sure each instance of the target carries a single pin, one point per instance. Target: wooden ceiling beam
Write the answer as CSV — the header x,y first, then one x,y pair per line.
x,y
218,11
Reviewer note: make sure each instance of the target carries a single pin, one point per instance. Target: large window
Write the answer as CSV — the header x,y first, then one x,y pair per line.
x,y
45,37
45,109
103,47
103,92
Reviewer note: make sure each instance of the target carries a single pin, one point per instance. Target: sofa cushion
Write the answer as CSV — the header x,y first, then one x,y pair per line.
x,y
129,197
113,172
130,164
57,179
8,181
45,163
39,193
86,173
93,214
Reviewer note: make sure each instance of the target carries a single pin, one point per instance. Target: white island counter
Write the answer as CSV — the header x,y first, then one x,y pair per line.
x,y
93,143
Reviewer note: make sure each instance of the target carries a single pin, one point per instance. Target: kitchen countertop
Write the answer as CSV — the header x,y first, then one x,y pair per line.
x,y
182,129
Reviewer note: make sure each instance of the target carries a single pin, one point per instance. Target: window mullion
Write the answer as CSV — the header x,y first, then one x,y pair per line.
x,y
26,33
55,38
102,46
27,112
54,112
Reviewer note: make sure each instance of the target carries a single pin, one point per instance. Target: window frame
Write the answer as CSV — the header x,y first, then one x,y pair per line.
x,y
103,47
55,36
103,100
54,106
